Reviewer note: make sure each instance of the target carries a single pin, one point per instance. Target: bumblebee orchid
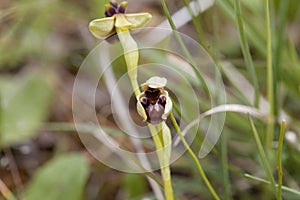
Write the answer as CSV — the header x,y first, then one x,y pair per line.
x,y
116,21
153,104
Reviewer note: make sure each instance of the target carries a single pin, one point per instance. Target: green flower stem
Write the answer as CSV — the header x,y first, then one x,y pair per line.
x,y
160,133
131,55
279,165
162,139
166,174
202,173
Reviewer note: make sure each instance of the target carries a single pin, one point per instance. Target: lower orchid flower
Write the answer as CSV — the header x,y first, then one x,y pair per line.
x,y
154,103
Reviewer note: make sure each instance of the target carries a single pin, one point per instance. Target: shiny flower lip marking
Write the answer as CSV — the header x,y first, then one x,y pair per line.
x,y
117,21
154,103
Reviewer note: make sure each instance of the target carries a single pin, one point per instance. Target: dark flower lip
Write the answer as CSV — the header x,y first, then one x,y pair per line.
x,y
154,113
154,104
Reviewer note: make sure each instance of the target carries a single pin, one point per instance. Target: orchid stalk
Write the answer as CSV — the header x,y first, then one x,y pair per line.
x,y
153,104
162,139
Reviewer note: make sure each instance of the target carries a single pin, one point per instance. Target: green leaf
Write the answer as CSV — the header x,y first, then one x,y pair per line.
x,y
24,105
62,178
135,185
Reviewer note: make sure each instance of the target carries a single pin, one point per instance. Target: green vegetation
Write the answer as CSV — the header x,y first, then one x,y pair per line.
x,y
254,44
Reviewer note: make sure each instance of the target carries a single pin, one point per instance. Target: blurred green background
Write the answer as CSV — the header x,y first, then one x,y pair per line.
x,y
44,42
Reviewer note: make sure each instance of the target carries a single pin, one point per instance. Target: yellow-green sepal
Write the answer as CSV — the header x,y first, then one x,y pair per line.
x,y
122,22
102,28
140,108
105,27
155,82
168,106
166,134
135,20
138,19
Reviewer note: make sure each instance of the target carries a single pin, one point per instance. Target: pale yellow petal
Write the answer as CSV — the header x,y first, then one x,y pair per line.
x,y
168,106
138,19
102,28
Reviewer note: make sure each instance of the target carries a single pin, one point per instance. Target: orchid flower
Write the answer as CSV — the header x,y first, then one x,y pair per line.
x,y
116,21
154,103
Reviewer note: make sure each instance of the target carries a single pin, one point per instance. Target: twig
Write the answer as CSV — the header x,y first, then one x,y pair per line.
x,y
14,172
8,195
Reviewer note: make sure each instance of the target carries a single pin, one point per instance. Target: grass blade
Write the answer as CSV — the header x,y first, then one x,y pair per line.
x,y
246,51
262,155
280,173
284,188
184,48
202,173
283,8
225,167
252,32
270,80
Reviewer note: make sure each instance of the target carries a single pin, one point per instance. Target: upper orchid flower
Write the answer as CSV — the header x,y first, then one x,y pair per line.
x,y
117,20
